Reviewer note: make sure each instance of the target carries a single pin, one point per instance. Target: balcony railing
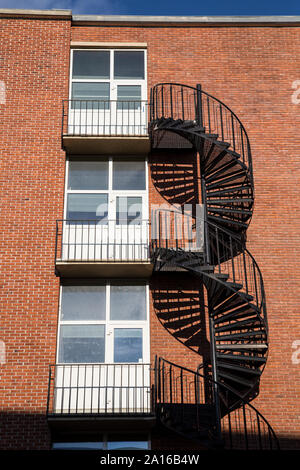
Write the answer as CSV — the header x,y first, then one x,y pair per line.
x,y
102,240
83,389
105,118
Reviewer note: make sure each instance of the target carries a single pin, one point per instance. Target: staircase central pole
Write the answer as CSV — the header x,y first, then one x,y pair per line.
x,y
215,378
211,322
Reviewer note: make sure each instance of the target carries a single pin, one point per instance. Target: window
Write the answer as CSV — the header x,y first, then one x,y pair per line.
x,y
126,441
103,323
108,92
98,75
106,209
112,188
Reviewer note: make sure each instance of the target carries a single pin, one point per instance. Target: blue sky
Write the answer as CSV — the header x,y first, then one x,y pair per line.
x,y
166,7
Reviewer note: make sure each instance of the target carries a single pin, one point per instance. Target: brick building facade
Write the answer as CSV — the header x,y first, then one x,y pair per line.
x,y
250,64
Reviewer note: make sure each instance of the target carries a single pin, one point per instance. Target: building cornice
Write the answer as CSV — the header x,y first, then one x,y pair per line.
x,y
187,20
36,14
152,20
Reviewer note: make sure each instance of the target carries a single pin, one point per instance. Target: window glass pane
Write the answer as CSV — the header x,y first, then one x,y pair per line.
x,y
128,345
88,175
129,175
82,344
129,210
87,207
129,64
129,97
91,64
90,93
128,302
83,303
127,445
78,445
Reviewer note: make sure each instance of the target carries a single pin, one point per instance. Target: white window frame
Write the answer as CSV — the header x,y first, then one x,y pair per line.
x,y
111,324
113,82
112,193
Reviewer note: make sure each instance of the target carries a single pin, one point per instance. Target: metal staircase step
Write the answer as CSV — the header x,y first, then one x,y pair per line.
x,y
208,167
243,370
242,347
226,191
221,202
166,122
235,378
213,137
243,312
227,309
241,336
226,221
221,171
174,123
229,211
232,302
221,183
241,358
249,323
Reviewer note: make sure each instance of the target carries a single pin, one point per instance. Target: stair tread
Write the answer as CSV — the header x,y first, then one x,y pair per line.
x,y
241,346
246,370
251,322
239,357
236,378
235,336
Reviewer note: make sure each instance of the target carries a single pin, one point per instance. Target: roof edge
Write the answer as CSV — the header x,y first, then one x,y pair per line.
x,y
143,19
51,14
136,19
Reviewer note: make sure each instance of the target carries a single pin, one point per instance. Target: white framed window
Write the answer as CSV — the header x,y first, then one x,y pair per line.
x,y
109,74
104,323
110,187
103,348
106,209
108,92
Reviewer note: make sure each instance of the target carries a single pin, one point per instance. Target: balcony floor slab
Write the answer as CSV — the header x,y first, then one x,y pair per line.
x,y
88,145
91,269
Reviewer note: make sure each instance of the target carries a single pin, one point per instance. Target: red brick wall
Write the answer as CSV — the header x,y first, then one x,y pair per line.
x,y
252,70
34,64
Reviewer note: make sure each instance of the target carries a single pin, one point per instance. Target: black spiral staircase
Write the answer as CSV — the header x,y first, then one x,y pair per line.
x,y
211,405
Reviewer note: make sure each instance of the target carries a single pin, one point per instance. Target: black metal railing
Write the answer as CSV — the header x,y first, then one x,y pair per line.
x,y
243,428
102,240
181,233
76,389
186,103
104,117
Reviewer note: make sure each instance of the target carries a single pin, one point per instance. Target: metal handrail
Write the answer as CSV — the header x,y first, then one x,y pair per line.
x,y
96,117
229,411
101,388
84,240
178,101
235,249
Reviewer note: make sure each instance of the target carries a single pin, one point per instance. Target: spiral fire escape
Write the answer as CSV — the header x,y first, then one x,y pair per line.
x,y
212,404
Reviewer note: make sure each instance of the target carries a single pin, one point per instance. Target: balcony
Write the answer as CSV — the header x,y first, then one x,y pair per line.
x,y
106,248
100,396
105,126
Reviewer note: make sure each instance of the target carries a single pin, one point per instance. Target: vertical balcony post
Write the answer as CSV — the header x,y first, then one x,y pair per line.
x,y
199,115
